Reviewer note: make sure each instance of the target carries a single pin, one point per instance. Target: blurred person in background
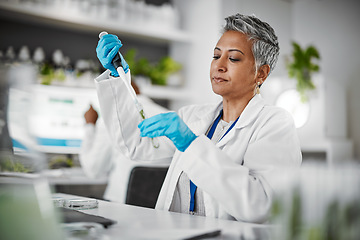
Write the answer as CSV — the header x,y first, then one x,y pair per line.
x,y
223,155
99,158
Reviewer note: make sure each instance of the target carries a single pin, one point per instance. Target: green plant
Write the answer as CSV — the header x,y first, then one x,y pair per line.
x,y
157,72
61,162
48,74
301,67
8,165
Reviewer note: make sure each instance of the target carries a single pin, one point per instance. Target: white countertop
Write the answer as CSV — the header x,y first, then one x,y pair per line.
x,y
144,223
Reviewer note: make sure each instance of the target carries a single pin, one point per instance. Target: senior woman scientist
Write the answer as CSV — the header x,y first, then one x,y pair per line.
x,y
222,154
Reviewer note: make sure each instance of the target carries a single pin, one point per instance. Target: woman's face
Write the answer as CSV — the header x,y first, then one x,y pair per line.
x,y
232,70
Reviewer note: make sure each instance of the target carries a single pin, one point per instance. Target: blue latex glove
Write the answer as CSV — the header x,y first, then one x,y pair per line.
x,y
124,64
169,125
106,50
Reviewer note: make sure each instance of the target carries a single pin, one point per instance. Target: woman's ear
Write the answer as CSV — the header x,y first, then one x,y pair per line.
x,y
262,73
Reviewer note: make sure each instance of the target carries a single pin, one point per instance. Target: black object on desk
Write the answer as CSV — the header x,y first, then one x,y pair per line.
x,y
71,216
144,186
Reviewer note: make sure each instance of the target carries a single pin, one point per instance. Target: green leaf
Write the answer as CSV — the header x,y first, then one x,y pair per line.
x,y
301,67
311,51
158,72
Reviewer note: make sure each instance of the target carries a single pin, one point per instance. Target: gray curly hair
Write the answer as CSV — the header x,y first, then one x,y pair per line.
x,y
265,45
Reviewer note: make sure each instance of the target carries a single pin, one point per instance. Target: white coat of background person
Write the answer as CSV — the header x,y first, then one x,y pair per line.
x,y
229,150
99,158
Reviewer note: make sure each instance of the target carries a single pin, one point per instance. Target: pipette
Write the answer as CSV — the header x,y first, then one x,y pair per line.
x,y
126,77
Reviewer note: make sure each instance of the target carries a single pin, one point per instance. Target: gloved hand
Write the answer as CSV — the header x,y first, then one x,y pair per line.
x,y
169,125
106,50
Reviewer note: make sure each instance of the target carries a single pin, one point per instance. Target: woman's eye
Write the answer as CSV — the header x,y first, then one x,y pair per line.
x,y
216,57
234,59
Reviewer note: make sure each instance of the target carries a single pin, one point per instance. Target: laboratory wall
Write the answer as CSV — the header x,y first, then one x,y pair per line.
x,y
203,20
332,26
277,13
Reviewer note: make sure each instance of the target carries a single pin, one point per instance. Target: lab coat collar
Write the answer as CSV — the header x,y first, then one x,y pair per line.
x,y
207,116
251,111
248,116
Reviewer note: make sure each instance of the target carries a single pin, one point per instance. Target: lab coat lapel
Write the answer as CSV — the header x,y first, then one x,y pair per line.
x,y
205,119
247,117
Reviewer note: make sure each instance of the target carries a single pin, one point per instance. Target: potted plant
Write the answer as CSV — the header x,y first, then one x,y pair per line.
x,y
301,68
157,72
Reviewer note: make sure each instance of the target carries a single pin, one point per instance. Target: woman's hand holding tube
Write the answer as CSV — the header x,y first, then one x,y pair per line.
x,y
169,125
107,48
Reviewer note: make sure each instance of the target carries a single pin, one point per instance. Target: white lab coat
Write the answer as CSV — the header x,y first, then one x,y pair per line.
x,y
235,174
99,158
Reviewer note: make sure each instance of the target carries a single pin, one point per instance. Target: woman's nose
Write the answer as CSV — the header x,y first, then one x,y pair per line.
x,y
220,65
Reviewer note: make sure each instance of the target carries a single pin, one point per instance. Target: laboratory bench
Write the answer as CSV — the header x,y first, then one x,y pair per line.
x,y
29,205
133,222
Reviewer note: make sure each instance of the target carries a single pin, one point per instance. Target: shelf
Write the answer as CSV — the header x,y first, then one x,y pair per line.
x,y
59,150
314,148
164,92
71,20
318,145
152,91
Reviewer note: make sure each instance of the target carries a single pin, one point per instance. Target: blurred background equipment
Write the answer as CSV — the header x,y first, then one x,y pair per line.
x,y
23,155
318,202
27,211
5,140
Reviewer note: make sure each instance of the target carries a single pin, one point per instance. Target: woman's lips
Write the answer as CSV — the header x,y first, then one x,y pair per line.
x,y
219,80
